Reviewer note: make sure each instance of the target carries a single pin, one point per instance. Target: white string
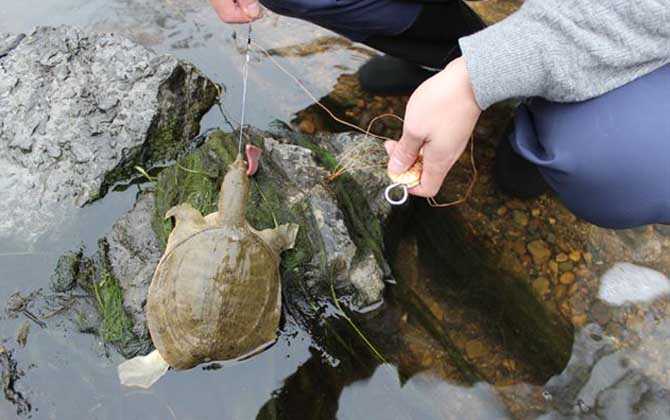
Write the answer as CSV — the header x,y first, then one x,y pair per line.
x,y
245,77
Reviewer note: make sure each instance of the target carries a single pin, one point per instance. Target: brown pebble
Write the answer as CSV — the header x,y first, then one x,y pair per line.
x,y
567,278
575,256
566,266
510,364
579,320
307,127
541,286
540,251
501,211
520,218
553,267
475,349
535,212
552,221
573,289
519,247
561,257
560,291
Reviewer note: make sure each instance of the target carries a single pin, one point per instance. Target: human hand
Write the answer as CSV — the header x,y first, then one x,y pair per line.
x,y
440,117
237,11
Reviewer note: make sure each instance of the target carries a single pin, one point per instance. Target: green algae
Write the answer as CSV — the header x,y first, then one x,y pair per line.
x,y
116,326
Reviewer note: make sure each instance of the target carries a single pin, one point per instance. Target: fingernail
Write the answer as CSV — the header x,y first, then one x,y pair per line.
x,y
252,10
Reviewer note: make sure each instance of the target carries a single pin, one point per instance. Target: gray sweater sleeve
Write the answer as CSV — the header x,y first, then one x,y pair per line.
x,y
567,50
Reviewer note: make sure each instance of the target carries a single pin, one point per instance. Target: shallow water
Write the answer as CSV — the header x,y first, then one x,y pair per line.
x,y
69,375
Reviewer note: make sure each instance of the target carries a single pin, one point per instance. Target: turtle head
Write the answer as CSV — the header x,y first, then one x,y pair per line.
x,y
234,193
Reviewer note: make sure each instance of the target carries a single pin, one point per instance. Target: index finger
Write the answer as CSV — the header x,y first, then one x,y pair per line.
x,y
406,151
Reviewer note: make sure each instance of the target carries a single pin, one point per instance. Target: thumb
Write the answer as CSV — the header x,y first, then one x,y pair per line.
x,y
250,8
405,152
390,145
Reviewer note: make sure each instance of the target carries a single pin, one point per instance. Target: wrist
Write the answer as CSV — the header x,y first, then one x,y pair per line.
x,y
462,93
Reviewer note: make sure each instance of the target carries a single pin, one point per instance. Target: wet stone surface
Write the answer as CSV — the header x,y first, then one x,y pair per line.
x,y
78,111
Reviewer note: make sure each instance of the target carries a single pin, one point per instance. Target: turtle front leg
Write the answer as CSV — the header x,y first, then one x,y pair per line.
x,y
187,222
280,238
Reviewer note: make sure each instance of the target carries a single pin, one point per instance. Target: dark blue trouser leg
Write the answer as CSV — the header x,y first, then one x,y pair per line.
x,y
355,19
607,158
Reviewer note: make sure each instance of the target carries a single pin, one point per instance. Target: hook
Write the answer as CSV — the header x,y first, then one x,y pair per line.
x,y
401,200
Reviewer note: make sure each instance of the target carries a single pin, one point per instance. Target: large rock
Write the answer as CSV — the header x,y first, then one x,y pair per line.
x,y
77,112
133,252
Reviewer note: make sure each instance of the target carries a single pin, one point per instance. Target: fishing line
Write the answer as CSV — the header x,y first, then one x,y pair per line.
x,y
245,77
342,168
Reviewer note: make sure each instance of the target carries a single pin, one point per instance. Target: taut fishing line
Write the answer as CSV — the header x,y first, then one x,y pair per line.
x,y
343,168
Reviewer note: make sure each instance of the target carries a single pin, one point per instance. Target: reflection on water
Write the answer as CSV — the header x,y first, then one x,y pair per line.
x,y
450,329
422,396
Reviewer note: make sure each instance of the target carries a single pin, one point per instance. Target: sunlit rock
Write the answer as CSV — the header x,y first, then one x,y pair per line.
x,y
626,282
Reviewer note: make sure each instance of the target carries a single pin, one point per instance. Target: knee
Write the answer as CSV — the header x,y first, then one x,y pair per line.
x,y
604,196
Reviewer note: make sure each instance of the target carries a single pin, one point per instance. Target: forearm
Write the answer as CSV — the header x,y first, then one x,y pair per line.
x,y
568,50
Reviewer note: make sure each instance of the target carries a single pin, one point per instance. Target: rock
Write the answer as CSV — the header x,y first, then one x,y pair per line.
x,y
133,253
368,175
561,258
630,283
567,278
64,277
607,380
475,349
541,286
367,278
338,248
520,218
79,111
297,163
299,166
539,251
10,375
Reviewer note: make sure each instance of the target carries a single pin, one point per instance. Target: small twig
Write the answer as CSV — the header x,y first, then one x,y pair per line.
x,y
60,310
34,318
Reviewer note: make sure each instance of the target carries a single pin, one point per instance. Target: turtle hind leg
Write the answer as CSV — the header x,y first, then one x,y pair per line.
x,y
142,371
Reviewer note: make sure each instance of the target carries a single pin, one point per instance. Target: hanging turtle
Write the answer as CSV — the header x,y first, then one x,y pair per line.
x,y
216,292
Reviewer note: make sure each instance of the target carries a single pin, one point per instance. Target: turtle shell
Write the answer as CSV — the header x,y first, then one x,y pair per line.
x,y
214,296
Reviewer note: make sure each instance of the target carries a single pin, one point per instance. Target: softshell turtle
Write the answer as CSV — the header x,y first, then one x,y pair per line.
x,y
216,292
